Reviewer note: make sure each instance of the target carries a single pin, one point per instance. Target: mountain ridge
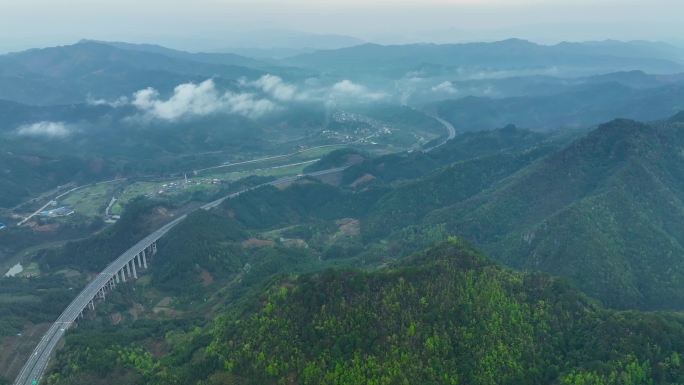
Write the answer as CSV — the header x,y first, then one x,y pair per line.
x,y
622,161
515,53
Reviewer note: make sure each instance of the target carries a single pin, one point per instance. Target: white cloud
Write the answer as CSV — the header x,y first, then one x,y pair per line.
x,y
347,88
45,129
445,87
202,99
120,102
256,98
276,87
248,105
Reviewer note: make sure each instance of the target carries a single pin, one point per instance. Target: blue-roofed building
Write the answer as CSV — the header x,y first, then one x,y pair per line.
x,y
58,212
2,226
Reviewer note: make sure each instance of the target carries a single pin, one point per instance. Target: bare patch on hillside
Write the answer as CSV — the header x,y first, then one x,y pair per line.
x,y
364,179
255,243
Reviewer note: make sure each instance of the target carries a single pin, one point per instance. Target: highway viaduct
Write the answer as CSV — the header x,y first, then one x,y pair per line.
x,y
124,268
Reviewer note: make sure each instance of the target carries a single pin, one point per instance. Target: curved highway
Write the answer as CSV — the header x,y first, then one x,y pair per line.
x,y
34,368
451,132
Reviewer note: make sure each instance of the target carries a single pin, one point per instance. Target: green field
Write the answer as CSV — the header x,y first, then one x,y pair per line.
x,y
91,201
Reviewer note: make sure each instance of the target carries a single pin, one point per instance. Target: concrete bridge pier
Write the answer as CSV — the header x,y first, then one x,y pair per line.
x,y
144,259
135,273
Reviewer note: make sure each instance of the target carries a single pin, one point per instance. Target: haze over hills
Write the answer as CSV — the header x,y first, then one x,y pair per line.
x,y
202,57
513,54
71,74
281,43
572,107
110,70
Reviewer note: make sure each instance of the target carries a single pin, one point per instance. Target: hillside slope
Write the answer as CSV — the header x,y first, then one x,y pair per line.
x,y
444,316
607,212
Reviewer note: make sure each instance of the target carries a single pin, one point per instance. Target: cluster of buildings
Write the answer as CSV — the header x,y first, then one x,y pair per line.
x,y
361,126
177,186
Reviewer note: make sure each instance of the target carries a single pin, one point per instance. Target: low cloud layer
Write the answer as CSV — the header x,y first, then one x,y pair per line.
x,y
276,87
349,89
120,102
254,99
192,100
445,87
45,129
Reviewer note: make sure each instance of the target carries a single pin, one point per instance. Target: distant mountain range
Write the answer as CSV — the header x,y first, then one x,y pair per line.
x,y
94,69
280,43
207,58
75,73
599,99
513,54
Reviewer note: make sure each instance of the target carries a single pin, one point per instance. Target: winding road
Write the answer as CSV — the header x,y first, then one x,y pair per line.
x,y
451,132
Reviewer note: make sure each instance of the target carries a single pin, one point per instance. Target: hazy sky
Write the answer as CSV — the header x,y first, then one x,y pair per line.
x,y
212,24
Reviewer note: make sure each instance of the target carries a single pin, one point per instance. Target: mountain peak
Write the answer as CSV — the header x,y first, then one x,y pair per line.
x,y
677,118
618,139
517,42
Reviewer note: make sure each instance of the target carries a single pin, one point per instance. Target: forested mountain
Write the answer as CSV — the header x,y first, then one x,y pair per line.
x,y
363,275
238,294
71,74
444,316
602,211
606,212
